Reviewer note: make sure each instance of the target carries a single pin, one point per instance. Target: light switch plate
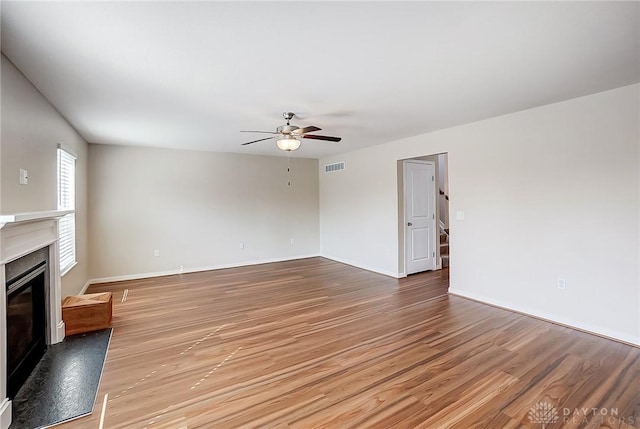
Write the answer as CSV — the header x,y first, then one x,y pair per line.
x,y
24,177
459,215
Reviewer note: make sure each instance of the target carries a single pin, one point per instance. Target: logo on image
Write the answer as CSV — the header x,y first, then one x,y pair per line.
x,y
543,413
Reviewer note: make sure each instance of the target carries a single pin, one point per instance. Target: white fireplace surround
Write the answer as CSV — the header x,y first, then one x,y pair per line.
x,y
21,234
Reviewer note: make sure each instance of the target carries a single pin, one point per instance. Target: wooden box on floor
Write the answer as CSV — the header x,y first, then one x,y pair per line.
x,y
86,313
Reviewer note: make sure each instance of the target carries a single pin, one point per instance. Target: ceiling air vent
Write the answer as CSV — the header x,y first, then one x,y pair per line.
x,y
331,168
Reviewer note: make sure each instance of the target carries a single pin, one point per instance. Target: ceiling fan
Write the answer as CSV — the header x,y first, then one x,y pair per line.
x,y
288,135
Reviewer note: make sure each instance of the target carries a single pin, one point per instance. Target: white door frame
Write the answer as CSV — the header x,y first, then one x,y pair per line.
x,y
404,212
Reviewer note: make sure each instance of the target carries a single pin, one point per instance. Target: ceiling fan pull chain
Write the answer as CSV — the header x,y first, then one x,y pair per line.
x,y
288,170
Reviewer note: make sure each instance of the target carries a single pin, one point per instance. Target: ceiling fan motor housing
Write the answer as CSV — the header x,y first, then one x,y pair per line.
x,y
286,129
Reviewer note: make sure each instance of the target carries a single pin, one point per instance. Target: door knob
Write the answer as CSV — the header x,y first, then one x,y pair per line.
x,y
409,224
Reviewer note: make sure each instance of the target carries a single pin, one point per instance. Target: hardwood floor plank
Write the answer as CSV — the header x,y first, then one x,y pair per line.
x,y
473,398
317,344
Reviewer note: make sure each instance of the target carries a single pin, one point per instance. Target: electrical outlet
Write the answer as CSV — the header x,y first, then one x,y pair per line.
x,y
459,215
181,269
241,245
156,253
292,241
562,284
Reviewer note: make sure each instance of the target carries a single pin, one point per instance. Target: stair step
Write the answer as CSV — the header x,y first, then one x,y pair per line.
x,y
444,249
445,261
444,238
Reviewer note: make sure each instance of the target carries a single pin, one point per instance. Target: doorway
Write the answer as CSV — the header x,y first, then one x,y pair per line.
x,y
423,249
420,216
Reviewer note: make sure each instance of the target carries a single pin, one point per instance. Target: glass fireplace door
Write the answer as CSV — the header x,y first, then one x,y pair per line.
x,y
25,326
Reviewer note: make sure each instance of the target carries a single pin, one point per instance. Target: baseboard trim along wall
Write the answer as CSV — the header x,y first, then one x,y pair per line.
x,y
364,267
85,287
190,270
593,330
5,414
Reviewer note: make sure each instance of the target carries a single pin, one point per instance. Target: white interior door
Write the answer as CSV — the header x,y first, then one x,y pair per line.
x,y
420,223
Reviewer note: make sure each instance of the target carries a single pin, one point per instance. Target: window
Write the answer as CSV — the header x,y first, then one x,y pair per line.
x,y
67,201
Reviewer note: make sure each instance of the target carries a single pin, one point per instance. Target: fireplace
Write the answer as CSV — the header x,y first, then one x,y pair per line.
x,y
26,318
30,297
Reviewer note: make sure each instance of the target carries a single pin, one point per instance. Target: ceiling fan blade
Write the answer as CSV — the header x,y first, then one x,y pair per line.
x,y
261,132
317,137
256,141
306,130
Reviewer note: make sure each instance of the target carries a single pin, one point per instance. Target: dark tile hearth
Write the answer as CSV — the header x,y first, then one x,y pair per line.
x,y
64,384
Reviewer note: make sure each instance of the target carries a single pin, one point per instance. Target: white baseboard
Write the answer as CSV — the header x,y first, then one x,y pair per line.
x,y
191,270
59,332
86,286
590,329
5,414
365,267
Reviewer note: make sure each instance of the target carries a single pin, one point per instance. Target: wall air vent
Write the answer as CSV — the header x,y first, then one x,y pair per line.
x,y
332,168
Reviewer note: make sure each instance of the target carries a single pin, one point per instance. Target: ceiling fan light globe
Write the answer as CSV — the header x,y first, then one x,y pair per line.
x,y
288,143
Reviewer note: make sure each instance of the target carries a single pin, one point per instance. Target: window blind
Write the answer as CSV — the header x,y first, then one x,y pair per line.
x,y
67,201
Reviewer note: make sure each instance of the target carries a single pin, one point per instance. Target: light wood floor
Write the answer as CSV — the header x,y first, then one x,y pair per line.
x,y
317,344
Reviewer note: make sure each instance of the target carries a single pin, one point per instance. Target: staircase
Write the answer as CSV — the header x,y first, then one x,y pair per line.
x,y
444,247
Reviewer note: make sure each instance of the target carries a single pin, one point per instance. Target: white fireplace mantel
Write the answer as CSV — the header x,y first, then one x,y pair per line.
x,y
32,216
21,234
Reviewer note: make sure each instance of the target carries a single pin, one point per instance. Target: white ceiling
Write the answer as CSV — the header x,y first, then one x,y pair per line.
x,y
192,75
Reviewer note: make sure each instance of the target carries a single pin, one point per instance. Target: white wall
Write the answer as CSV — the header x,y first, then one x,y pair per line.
x,y
31,131
196,208
548,193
